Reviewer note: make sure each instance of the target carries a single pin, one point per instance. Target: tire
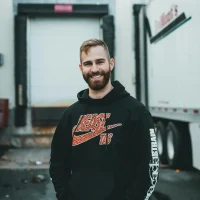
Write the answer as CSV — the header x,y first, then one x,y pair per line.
x,y
178,141
161,141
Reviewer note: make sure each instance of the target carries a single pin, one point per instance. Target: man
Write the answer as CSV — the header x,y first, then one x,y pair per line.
x,y
104,147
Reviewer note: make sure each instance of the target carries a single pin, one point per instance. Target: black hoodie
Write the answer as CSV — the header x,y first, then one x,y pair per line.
x,y
105,149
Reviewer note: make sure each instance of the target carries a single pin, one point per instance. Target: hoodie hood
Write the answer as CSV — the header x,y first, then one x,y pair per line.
x,y
116,93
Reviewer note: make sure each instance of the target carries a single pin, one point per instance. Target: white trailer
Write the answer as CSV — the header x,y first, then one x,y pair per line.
x,y
167,50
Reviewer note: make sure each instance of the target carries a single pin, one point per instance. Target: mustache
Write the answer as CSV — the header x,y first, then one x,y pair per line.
x,y
95,74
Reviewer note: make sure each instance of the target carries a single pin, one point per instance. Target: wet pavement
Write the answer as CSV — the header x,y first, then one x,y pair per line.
x,y
26,185
31,158
178,185
24,175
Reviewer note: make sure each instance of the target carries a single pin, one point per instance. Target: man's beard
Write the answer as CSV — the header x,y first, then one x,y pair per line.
x,y
98,84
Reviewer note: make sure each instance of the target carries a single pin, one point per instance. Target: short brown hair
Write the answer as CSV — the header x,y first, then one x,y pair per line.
x,y
93,43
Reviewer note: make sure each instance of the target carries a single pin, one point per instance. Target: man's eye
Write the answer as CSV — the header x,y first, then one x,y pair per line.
x,y
87,64
99,62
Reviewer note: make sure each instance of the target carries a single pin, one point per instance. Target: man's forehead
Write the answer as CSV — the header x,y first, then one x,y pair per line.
x,y
94,53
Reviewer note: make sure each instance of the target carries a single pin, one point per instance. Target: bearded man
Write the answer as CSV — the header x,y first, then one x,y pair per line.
x,y
104,147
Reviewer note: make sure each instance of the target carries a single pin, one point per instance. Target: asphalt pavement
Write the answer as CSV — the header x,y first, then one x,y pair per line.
x,y
178,185
26,184
24,175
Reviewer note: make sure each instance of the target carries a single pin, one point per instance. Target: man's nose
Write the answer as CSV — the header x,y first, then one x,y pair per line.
x,y
95,68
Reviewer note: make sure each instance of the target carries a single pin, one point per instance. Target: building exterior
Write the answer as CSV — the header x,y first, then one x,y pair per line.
x,y
36,34
7,68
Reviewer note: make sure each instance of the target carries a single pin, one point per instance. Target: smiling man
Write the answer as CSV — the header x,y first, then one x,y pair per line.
x,y
96,67
104,147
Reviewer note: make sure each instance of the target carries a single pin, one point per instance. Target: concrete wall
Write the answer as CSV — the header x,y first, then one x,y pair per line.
x,y
7,49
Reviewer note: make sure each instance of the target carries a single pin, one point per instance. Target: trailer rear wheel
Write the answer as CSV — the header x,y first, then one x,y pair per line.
x,y
161,141
178,146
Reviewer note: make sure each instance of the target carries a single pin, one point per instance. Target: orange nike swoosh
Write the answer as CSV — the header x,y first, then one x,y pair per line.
x,y
90,135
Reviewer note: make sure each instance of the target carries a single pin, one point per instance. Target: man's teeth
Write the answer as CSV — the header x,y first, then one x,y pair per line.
x,y
96,76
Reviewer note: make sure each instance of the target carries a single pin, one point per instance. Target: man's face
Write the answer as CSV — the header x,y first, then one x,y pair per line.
x,y
96,68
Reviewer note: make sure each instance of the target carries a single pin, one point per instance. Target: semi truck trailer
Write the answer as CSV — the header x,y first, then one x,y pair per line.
x,y
167,66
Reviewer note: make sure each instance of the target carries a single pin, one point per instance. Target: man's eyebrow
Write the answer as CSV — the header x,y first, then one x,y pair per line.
x,y
97,60
100,59
87,62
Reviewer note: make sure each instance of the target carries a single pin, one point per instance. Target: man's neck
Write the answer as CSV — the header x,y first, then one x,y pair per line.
x,y
101,93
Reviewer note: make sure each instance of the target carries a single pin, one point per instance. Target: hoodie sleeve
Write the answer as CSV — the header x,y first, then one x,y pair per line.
x,y
60,158
146,171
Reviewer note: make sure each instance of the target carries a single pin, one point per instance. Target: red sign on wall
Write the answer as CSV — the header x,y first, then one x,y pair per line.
x,y
63,8
3,112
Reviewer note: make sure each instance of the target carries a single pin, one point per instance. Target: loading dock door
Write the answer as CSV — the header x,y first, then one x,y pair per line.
x,y
53,58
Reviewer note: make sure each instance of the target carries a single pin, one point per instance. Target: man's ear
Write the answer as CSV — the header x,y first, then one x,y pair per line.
x,y
112,63
80,67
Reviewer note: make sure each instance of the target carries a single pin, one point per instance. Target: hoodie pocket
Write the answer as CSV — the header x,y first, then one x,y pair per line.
x,y
91,185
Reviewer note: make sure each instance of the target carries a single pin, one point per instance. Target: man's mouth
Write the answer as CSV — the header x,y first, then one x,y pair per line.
x,y
96,77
